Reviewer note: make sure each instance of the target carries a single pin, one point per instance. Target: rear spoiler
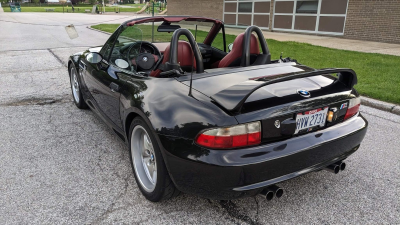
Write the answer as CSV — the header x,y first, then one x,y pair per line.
x,y
233,98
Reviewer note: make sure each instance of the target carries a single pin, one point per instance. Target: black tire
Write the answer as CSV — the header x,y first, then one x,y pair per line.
x,y
164,188
78,97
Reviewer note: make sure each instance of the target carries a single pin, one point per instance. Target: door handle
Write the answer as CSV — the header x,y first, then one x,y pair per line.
x,y
114,87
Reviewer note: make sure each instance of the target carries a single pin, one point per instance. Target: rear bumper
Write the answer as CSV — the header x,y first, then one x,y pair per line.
x,y
229,174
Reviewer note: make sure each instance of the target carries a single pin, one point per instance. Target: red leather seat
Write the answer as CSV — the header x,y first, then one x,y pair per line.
x,y
185,58
233,58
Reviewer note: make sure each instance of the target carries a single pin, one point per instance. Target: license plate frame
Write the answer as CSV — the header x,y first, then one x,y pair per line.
x,y
311,120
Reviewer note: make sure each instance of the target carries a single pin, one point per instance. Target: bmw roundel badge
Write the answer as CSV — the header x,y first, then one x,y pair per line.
x,y
304,93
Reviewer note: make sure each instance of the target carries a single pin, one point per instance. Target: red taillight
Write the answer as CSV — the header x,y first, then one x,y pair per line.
x,y
354,106
231,137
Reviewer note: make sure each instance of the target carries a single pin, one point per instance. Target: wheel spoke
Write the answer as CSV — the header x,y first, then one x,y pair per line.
x,y
150,168
146,161
151,171
154,173
146,153
147,143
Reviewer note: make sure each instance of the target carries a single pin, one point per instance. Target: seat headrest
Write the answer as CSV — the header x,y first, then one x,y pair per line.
x,y
237,50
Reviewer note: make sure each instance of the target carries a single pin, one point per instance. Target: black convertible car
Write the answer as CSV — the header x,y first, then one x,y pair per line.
x,y
220,123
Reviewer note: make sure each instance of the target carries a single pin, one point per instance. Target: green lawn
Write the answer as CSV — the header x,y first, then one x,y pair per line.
x,y
58,8
122,9
378,75
134,5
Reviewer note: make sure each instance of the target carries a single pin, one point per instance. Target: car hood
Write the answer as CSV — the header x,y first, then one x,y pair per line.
x,y
95,49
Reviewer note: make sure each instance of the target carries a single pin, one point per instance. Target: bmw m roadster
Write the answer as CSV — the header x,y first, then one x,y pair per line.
x,y
222,123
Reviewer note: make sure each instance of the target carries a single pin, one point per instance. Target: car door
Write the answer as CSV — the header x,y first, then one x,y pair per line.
x,y
104,84
104,87
102,79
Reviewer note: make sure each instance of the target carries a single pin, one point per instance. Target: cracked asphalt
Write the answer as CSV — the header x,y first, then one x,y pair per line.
x,y
62,165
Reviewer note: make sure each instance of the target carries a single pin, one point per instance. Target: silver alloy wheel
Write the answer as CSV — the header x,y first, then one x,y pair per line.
x,y
143,158
75,85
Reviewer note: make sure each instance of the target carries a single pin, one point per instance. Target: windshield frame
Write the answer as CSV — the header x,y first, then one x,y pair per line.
x,y
176,19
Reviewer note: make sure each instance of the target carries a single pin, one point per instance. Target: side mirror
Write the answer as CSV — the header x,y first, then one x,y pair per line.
x,y
230,46
94,57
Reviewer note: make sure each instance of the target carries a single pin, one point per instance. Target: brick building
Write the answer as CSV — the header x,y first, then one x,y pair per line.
x,y
373,20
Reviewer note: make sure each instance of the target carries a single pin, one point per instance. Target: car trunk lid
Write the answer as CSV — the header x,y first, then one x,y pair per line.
x,y
272,95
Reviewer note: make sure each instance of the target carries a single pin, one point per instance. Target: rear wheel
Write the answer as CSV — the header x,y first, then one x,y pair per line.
x,y
76,89
148,165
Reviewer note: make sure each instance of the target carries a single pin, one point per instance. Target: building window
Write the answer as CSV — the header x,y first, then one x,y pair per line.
x,y
243,13
310,16
310,7
245,7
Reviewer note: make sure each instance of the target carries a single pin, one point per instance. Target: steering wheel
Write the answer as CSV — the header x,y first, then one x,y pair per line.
x,y
144,61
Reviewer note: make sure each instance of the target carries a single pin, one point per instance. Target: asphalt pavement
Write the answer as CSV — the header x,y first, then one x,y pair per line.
x,y
62,165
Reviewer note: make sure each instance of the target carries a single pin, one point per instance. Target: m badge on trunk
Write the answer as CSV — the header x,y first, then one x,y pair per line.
x,y
277,123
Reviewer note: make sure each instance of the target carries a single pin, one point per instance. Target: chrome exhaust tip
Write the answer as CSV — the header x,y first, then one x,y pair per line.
x,y
278,192
267,194
333,168
342,165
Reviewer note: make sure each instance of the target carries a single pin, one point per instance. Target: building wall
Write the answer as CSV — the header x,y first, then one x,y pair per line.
x,y
206,8
373,20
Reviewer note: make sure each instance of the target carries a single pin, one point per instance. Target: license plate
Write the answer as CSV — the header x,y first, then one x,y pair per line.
x,y
311,120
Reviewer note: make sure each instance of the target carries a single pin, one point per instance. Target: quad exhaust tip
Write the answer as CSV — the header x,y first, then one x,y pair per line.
x,y
275,191
271,191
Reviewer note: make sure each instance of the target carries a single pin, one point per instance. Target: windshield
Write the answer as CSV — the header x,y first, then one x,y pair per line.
x,y
132,52
148,30
127,48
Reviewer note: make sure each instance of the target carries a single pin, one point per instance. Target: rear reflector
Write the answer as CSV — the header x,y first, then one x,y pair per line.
x,y
231,137
354,106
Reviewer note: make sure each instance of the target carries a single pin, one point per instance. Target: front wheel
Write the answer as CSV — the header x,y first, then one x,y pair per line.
x,y
148,165
76,89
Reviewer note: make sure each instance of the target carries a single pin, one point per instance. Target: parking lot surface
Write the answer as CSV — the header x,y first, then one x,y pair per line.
x,y
62,165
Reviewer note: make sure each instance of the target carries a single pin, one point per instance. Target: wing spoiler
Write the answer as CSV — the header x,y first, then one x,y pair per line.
x,y
233,98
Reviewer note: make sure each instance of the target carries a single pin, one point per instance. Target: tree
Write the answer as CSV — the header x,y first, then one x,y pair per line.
x,y
36,1
92,2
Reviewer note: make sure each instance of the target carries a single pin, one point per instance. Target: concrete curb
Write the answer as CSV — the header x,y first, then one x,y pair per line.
x,y
388,107
104,32
384,106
